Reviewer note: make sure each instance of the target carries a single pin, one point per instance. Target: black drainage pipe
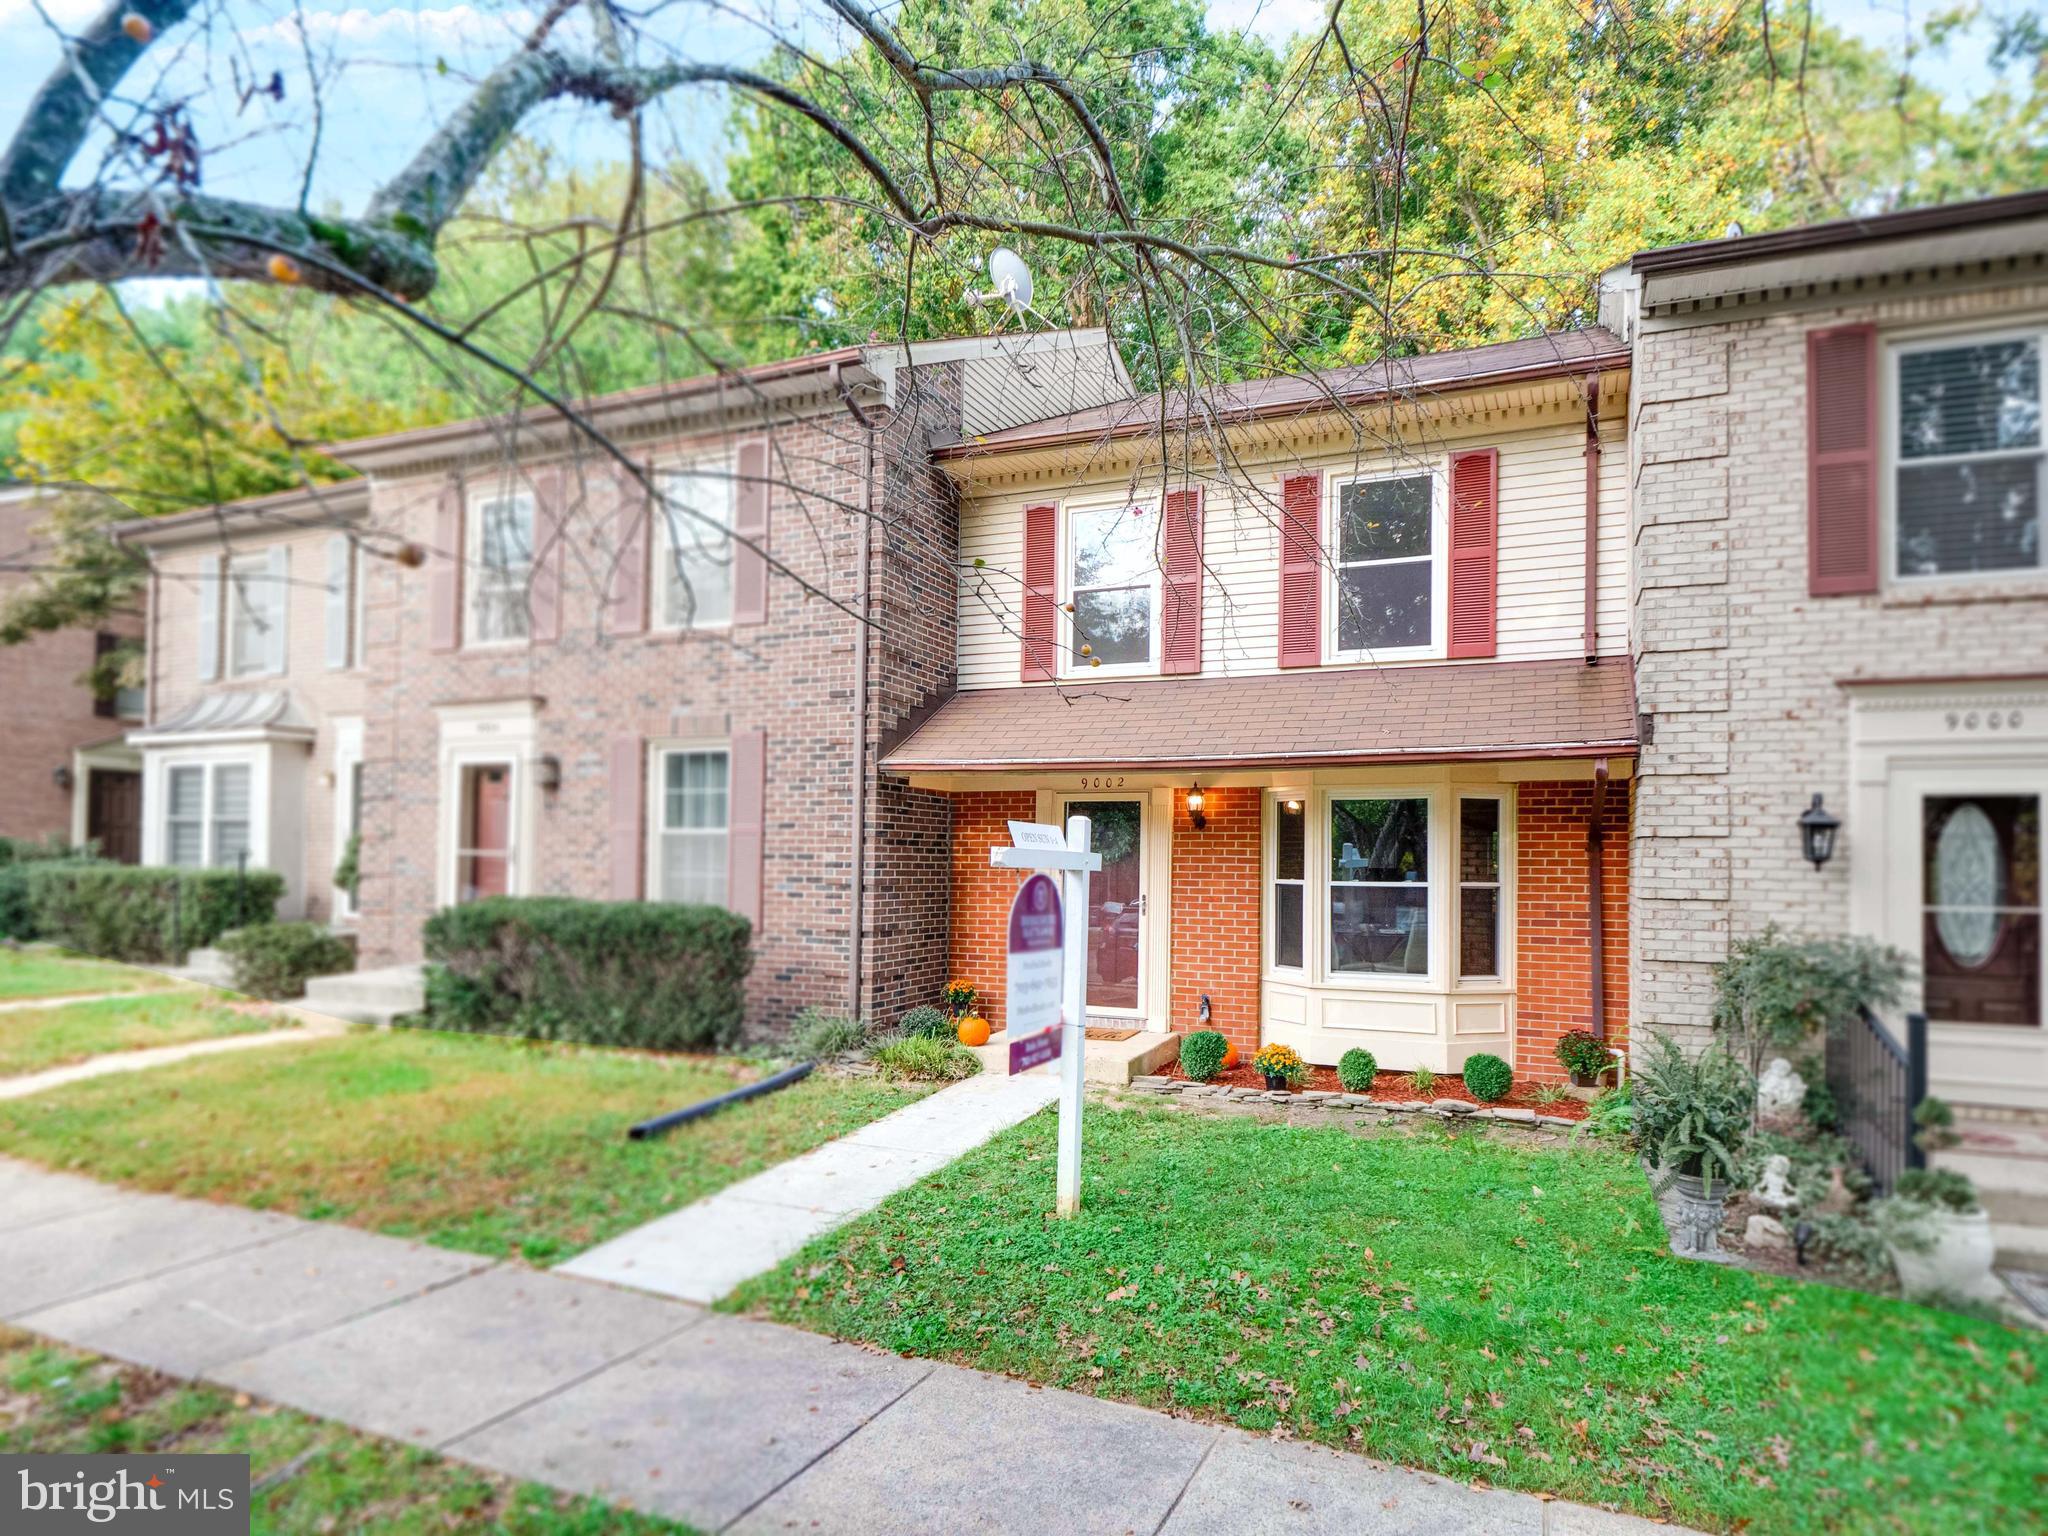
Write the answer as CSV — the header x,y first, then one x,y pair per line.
x,y
661,1125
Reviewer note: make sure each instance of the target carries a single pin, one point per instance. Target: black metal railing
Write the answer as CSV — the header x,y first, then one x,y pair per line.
x,y
1878,1085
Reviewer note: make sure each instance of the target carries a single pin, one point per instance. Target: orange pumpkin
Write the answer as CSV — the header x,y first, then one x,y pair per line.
x,y
973,1030
1229,1058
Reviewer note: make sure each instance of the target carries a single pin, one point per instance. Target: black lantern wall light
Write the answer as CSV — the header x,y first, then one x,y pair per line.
x,y
1817,833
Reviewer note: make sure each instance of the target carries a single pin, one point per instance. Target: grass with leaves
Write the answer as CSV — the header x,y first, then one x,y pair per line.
x,y
485,1144
35,971
306,1475
1445,1301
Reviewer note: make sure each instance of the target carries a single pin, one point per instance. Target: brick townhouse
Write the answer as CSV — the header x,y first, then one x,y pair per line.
x,y
1342,679
516,671
66,773
1839,590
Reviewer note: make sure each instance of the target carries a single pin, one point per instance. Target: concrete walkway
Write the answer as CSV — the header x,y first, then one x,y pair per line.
x,y
703,1251
726,1423
65,1001
155,1056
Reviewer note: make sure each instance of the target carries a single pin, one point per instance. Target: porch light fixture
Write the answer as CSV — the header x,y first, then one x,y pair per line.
x,y
550,774
61,776
1817,831
1196,816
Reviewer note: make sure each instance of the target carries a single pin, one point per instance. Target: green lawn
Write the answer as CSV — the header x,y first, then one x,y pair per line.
x,y
32,1039
307,1475
28,973
489,1145
1446,1302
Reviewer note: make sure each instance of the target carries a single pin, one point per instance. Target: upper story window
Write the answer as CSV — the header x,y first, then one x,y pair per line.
x,y
1968,456
694,549
500,558
1385,566
255,615
1113,584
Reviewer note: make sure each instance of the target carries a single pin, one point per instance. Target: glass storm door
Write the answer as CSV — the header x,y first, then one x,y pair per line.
x,y
486,856
1116,905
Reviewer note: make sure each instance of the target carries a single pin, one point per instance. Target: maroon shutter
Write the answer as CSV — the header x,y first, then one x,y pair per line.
x,y
1475,551
544,586
626,612
1180,638
1841,460
1041,593
750,522
745,876
444,571
628,804
1301,571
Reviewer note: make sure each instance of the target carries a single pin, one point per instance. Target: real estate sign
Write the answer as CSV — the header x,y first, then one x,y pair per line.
x,y
1034,974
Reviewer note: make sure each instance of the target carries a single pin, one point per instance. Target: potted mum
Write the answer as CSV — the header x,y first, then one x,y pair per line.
x,y
1584,1055
1280,1065
1692,1115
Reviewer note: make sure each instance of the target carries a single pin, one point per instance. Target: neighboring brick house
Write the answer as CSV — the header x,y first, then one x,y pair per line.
x,y
1351,712
66,772
258,688
1840,590
582,692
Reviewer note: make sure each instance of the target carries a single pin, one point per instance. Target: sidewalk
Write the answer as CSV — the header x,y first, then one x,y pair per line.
x,y
705,1250
726,1423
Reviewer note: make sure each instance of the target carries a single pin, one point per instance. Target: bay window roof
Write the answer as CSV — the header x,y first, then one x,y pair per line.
x,y
1332,715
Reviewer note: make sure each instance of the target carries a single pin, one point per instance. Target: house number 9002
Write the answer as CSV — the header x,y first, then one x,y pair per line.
x,y
1102,781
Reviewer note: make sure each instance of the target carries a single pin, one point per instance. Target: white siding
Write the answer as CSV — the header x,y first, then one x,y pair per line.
x,y
1542,553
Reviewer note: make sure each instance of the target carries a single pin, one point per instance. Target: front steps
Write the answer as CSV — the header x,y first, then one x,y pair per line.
x,y
208,967
368,997
2008,1162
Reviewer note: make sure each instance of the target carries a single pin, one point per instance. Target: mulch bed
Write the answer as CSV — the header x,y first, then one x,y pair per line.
x,y
1393,1088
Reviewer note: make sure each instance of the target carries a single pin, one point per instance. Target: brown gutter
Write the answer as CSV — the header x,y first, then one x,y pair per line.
x,y
856,896
1592,636
1701,255
1596,836
1148,425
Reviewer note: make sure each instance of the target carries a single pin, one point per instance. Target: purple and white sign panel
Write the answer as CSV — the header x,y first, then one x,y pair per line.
x,y
1033,975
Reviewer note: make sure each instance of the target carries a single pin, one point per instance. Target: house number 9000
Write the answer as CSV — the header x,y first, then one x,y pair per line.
x,y
1102,781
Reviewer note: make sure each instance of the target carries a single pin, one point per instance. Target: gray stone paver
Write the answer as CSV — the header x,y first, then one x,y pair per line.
x,y
702,1427
729,1423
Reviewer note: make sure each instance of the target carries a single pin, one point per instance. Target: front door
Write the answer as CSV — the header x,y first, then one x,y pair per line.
x,y
113,813
484,863
1116,906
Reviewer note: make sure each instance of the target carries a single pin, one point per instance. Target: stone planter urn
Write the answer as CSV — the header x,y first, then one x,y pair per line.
x,y
1957,1264
1696,1222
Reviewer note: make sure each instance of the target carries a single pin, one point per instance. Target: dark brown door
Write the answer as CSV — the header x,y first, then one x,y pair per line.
x,y
486,861
113,813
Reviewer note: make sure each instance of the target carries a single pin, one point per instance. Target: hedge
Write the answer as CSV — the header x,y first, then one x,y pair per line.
x,y
17,857
627,973
137,913
276,959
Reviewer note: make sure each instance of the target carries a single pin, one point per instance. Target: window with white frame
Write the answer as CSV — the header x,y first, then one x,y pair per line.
x,y
500,557
694,549
206,814
1385,564
1290,880
1478,887
1379,885
691,824
1113,584
1966,489
256,609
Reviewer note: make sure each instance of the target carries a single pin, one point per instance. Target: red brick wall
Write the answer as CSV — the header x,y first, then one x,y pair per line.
x,y
1216,932
981,894
1552,934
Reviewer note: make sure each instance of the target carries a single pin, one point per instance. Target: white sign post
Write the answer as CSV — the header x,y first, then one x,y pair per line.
x,y
1037,848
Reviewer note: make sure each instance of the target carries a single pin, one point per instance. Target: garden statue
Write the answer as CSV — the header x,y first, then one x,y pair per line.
x,y
1780,1088
1774,1191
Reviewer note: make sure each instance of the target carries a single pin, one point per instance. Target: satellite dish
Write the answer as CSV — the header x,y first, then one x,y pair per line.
x,y
1011,277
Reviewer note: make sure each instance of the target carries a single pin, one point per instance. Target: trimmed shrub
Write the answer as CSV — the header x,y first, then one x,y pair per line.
x,y
18,856
1201,1054
920,1059
1356,1070
1583,1054
925,1022
148,915
819,1036
1488,1078
276,959
643,974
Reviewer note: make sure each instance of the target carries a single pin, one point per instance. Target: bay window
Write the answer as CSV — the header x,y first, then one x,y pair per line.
x,y
1379,886
691,824
1385,549
1290,880
1968,456
1113,584
1478,887
206,814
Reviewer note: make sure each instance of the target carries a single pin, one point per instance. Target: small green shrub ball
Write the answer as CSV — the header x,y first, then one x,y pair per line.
x,y
1488,1078
1356,1070
1201,1054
